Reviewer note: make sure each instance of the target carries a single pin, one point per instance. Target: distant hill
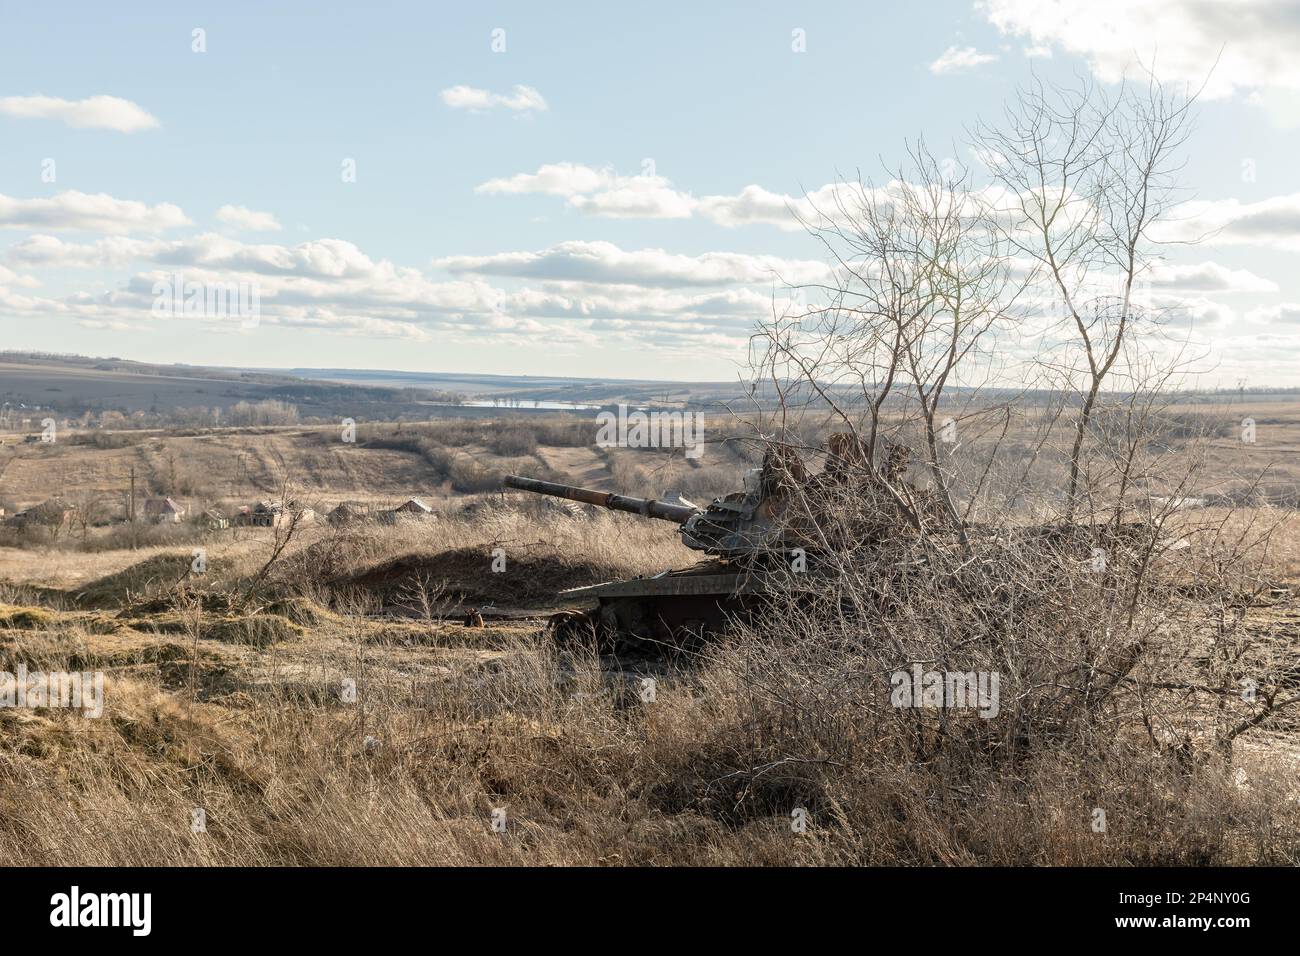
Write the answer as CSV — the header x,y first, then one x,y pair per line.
x,y
532,387
73,384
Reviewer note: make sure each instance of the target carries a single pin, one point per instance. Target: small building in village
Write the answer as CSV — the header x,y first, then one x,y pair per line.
x,y
264,514
347,512
272,514
54,513
163,510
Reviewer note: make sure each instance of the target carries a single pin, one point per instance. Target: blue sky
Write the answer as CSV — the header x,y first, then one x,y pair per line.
x,y
610,232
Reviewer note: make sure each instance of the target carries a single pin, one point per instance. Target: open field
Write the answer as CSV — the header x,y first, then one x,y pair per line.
x,y
448,459
247,718
385,465
70,385
231,690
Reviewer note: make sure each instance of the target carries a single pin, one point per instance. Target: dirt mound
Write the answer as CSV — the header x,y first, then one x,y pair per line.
x,y
466,576
144,578
260,630
24,618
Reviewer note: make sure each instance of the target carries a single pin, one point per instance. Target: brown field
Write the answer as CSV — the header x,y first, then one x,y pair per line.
x,y
220,466
227,467
239,709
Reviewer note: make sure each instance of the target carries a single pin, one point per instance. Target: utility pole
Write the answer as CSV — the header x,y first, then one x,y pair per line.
x,y
130,510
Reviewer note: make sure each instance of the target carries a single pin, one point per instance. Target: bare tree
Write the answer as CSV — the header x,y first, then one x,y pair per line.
x,y
932,276
285,524
1085,176
88,508
921,286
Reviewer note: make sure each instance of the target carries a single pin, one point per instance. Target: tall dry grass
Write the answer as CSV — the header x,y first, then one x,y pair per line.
x,y
585,770
451,725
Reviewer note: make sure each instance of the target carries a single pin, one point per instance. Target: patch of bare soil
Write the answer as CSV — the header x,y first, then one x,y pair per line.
x,y
466,576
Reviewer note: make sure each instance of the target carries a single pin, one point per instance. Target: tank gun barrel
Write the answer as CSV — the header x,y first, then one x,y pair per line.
x,y
646,507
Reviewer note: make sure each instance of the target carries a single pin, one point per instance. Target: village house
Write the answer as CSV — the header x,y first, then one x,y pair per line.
x,y
272,514
348,511
163,510
54,513
264,514
410,510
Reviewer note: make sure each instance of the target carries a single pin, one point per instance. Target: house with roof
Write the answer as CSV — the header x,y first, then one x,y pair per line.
x,y
163,510
54,513
263,514
272,514
348,511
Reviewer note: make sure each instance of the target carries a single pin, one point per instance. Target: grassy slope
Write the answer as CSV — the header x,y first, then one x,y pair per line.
x,y
452,723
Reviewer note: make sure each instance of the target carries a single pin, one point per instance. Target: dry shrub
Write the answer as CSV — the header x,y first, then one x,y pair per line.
x,y
469,477
513,439
586,771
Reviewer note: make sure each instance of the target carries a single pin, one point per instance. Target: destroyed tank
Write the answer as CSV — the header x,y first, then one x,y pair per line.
x,y
741,532
784,520
753,538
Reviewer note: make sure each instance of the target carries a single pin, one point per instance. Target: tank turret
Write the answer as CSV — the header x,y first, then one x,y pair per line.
x,y
731,526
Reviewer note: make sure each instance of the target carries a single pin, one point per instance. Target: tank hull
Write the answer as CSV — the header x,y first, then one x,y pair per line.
x,y
676,610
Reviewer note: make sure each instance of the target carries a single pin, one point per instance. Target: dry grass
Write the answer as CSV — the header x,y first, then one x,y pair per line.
x,y
452,723
586,772
384,466
240,709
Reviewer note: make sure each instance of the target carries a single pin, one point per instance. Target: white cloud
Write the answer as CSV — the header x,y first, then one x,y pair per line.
x,y
600,192
521,99
252,220
637,197
9,277
1207,277
606,263
318,258
95,112
331,285
1194,312
605,193
754,204
93,213
41,251
1273,222
824,205
955,58
556,179
1284,313
1254,41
